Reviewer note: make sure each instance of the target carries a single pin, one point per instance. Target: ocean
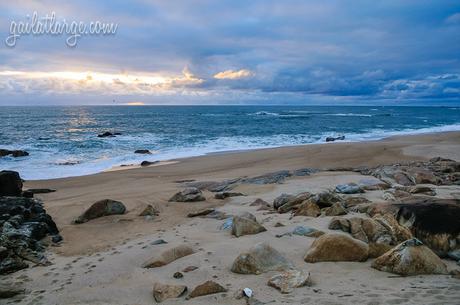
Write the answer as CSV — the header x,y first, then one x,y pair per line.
x,y
62,140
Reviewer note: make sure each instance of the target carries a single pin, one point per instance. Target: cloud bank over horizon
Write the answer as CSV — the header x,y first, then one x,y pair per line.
x,y
258,52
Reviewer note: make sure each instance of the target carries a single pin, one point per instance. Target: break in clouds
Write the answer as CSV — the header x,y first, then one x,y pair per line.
x,y
259,51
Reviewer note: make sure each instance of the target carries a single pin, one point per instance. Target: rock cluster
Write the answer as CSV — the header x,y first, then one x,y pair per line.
x,y
13,153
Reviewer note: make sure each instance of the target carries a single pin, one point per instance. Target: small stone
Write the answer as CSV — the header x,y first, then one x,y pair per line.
x,y
178,275
288,280
189,269
162,292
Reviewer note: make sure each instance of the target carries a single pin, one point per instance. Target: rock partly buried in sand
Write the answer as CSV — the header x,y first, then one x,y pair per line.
x,y
410,258
13,153
262,204
332,139
208,287
149,210
202,212
436,222
143,151
281,200
104,207
326,199
421,189
270,178
8,291
162,292
303,231
148,163
245,225
373,185
259,259
190,194
41,191
336,209
350,188
286,281
294,202
353,201
168,256
10,183
336,248
308,208
223,195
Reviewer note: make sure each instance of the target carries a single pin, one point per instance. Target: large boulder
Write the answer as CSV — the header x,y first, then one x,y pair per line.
x,y
336,248
336,209
259,259
410,258
286,281
168,256
10,183
435,222
308,208
162,292
190,194
327,199
101,208
208,287
246,225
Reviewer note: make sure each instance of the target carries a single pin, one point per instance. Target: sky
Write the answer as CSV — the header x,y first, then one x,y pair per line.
x,y
234,52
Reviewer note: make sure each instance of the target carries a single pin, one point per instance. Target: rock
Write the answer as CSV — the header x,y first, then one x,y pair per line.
x,y
420,189
279,224
294,202
104,207
245,226
228,224
223,195
410,258
454,254
108,134
216,215
168,256
189,269
350,188
288,280
190,194
143,151
8,291
373,185
308,208
158,242
455,274
435,222
270,178
262,204
214,186
162,292
421,175
332,139
148,163
303,231
336,209
202,212
326,199
259,259
281,200
23,224
13,153
41,191
149,210
178,275
337,247
10,183
402,178
304,171
353,201
208,287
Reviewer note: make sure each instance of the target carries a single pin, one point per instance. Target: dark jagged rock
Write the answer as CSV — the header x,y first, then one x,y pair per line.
x,y
332,139
142,151
10,183
23,223
435,222
281,200
13,153
148,163
101,208
41,191
304,171
108,134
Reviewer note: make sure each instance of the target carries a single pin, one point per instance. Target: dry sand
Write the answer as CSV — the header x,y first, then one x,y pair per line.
x,y
99,261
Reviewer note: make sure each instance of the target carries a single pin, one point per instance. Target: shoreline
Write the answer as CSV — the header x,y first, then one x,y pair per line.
x,y
161,163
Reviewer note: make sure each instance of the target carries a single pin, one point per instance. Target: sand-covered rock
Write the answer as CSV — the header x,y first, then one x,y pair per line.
x,y
335,248
162,292
259,259
421,189
246,225
190,194
336,209
10,183
411,257
208,287
168,256
101,208
308,208
286,281
202,212
303,231
149,210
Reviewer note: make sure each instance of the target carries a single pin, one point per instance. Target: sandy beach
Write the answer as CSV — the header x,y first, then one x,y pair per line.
x,y
100,261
